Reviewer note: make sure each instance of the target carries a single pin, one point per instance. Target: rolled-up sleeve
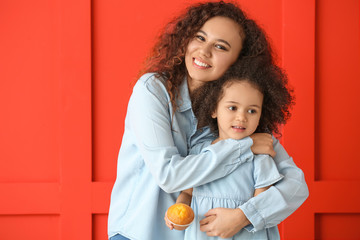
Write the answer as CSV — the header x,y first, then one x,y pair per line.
x,y
278,202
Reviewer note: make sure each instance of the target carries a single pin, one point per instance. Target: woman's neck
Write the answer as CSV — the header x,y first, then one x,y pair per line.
x,y
193,85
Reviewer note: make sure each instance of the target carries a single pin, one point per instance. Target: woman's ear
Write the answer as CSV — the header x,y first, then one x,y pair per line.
x,y
214,115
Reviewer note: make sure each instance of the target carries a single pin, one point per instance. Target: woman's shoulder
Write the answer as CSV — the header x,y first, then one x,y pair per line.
x,y
152,82
151,86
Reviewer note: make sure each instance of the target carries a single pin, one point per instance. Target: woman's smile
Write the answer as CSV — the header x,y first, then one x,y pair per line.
x,y
213,49
200,64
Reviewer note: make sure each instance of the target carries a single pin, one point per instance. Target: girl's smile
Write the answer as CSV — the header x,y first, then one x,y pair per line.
x,y
238,129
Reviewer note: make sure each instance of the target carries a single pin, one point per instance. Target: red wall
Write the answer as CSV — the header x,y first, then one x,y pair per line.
x,y
66,73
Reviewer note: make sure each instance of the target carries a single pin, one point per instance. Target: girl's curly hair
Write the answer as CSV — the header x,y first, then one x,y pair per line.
x,y
168,54
269,79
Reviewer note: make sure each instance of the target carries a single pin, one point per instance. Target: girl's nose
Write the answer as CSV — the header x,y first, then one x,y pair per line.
x,y
240,116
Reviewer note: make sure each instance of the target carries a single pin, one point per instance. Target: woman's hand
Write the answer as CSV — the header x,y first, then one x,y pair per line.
x,y
262,144
223,222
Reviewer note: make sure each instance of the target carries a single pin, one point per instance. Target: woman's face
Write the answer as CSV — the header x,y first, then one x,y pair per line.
x,y
215,47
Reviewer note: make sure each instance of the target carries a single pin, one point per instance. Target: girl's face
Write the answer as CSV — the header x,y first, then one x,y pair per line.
x,y
238,111
212,51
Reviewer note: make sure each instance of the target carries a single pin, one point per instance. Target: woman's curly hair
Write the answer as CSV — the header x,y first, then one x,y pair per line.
x,y
269,79
168,54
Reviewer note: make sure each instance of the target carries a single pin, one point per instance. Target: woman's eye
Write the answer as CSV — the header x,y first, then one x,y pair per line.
x,y
201,38
220,47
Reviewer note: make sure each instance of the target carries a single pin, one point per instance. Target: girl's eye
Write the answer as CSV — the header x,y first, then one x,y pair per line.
x,y
220,47
251,111
232,108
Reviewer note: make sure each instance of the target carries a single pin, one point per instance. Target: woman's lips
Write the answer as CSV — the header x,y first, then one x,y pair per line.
x,y
200,64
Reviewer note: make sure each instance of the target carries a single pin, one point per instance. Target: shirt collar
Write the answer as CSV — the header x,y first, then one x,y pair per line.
x,y
183,102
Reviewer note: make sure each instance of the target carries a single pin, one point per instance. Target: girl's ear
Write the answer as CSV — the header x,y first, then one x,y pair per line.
x,y
214,115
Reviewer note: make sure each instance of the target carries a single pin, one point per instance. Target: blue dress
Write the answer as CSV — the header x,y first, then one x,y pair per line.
x,y
233,191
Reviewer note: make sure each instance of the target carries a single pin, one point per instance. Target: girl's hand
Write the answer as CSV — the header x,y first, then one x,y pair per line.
x,y
262,144
223,222
171,226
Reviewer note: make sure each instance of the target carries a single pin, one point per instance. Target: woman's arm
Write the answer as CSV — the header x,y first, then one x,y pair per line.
x,y
260,190
267,209
149,117
265,173
282,199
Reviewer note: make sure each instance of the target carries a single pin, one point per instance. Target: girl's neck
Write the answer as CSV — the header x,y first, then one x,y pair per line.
x,y
215,141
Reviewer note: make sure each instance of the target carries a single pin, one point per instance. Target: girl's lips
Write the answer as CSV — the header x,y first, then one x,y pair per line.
x,y
200,64
238,128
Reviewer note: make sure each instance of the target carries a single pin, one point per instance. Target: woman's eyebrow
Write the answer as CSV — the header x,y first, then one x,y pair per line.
x,y
220,40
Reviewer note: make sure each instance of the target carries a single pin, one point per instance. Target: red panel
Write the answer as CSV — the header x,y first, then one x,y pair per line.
x,y
19,227
99,226
328,226
322,58
337,86
45,140
101,196
75,121
29,198
28,92
298,59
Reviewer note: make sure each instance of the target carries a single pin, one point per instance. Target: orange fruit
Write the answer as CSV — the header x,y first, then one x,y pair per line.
x,y
180,214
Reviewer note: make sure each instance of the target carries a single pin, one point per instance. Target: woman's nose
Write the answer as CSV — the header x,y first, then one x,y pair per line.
x,y
206,50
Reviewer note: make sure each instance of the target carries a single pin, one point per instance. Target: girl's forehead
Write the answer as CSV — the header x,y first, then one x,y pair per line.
x,y
247,81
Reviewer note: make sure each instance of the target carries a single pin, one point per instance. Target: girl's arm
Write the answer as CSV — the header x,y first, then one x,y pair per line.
x,y
149,117
185,197
267,209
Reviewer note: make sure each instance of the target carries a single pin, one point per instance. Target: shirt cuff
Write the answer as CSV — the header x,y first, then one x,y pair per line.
x,y
257,221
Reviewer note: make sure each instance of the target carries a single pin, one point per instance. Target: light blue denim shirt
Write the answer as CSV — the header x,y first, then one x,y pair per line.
x,y
154,165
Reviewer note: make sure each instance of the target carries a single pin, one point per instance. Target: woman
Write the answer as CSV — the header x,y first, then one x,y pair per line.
x,y
160,127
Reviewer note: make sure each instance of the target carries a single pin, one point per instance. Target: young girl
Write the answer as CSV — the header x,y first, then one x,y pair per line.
x,y
154,162
250,97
